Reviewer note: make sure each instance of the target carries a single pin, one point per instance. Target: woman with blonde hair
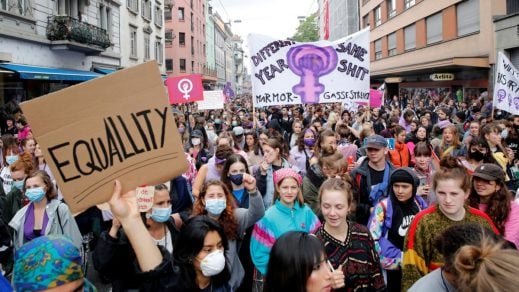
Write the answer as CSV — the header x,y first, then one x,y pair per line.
x,y
450,143
487,267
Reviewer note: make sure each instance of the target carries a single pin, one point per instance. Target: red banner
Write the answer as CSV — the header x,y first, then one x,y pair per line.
x,y
326,20
184,89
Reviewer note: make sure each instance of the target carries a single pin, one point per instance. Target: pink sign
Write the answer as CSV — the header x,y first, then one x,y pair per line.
x,y
182,89
375,98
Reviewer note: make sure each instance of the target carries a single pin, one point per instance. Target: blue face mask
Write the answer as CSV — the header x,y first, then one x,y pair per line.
x,y
236,179
18,184
160,215
215,207
10,159
35,194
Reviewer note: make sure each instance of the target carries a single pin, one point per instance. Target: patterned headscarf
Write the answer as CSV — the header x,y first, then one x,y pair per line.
x,y
47,262
283,173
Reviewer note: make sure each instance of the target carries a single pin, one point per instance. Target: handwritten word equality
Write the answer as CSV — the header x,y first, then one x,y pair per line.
x,y
124,138
269,50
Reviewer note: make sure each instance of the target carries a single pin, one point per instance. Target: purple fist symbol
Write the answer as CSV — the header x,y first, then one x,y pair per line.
x,y
311,62
501,94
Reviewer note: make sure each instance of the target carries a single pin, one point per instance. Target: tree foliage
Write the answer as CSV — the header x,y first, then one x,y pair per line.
x,y
307,30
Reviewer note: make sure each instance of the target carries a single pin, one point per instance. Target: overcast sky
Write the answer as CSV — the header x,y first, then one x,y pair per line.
x,y
275,18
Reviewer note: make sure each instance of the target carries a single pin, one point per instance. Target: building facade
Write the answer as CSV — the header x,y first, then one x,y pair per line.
x,y
142,32
434,47
339,17
507,32
187,52
238,70
47,45
220,47
210,67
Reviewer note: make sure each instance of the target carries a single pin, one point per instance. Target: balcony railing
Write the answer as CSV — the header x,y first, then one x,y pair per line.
x,y
66,28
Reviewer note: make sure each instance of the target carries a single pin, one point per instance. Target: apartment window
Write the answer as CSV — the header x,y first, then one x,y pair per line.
x,y
365,20
3,4
410,37
182,39
169,64
146,46
181,14
192,23
378,49
182,65
105,19
409,3
133,42
168,35
159,51
192,46
146,9
192,66
167,14
158,15
133,5
391,44
391,9
434,28
467,17
378,16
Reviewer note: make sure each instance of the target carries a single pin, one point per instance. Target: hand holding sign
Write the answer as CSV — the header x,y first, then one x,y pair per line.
x,y
118,126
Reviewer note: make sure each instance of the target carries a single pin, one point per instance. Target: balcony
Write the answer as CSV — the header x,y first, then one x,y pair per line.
x,y
67,33
169,4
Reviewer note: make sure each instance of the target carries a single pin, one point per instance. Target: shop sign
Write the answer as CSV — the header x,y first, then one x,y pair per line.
x,y
442,76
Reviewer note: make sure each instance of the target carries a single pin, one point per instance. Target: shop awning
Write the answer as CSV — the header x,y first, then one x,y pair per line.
x,y
47,73
104,71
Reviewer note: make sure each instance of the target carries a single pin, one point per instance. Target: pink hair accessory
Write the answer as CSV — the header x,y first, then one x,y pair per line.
x,y
283,173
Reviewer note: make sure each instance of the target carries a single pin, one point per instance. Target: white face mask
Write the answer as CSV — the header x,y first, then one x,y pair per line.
x,y
195,141
213,263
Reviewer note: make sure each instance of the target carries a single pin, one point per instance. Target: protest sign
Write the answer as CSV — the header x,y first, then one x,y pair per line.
x,y
213,99
145,197
286,72
182,89
116,127
375,98
506,86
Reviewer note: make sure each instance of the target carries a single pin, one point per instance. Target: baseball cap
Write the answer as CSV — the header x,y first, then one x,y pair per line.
x,y
237,131
490,172
376,141
197,133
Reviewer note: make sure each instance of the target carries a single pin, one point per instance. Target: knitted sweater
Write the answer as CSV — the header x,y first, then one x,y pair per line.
x,y
420,257
278,220
361,265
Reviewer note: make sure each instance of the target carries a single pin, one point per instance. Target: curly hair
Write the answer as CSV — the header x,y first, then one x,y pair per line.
x,y
499,205
226,219
24,163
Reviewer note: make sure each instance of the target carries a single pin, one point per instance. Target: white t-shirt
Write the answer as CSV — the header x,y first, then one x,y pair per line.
x,y
5,174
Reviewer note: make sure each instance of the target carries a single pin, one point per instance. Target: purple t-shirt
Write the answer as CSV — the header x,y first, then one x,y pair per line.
x,y
28,228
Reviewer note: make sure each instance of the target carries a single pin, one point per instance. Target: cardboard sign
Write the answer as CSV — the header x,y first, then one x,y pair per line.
x,y
213,99
145,197
116,127
184,89
285,72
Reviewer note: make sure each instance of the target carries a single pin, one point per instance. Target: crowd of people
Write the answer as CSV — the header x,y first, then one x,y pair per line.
x,y
416,195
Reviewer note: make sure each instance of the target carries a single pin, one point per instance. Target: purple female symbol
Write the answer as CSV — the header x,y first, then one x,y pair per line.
x,y
310,62
501,94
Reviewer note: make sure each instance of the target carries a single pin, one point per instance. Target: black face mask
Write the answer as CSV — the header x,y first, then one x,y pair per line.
x,y
476,155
